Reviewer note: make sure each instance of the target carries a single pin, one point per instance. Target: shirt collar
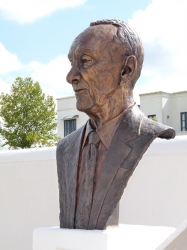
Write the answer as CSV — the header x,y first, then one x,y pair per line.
x,y
107,131
88,129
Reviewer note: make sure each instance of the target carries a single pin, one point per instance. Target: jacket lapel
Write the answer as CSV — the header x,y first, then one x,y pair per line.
x,y
69,165
117,153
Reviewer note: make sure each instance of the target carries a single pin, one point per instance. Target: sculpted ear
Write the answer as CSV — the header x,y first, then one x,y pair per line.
x,y
129,70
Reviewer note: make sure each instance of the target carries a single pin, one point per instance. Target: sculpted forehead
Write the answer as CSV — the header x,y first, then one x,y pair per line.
x,y
94,38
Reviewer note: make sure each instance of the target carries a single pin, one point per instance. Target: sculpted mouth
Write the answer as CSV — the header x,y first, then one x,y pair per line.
x,y
78,90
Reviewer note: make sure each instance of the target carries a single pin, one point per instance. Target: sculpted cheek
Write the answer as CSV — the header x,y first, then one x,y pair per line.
x,y
87,75
100,80
109,83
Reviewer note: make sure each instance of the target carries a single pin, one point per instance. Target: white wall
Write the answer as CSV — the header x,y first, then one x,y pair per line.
x,y
167,109
151,104
156,193
29,195
179,104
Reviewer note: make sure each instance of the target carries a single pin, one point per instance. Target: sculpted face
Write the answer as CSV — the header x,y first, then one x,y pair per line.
x,y
96,61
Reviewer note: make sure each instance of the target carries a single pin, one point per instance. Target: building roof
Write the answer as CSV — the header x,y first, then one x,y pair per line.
x,y
162,92
65,97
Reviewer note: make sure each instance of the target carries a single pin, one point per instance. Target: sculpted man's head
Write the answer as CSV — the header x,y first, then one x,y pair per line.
x,y
106,61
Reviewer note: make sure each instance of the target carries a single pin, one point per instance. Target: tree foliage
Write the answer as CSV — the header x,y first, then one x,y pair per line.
x,y
153,119
28,116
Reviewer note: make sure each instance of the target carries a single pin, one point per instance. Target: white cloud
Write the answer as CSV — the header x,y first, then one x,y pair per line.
x,y
4,87
9,62
162,27
27,11
52,76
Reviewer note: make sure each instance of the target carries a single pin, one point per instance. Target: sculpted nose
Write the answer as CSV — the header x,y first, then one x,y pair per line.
x,y
73,76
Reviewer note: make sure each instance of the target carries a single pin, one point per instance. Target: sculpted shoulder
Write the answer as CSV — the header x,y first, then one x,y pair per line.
x,y
158,129
142,125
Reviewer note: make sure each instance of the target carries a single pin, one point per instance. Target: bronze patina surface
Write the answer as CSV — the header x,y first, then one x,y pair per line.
x,y
96,161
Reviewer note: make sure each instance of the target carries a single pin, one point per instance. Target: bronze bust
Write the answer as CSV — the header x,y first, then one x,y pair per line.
x,y
96,161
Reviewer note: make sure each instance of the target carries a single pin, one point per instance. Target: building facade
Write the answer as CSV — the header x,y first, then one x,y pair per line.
x,y
68,117
169,109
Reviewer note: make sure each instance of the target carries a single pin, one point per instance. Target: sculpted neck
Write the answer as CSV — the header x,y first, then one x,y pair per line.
x,y
113,106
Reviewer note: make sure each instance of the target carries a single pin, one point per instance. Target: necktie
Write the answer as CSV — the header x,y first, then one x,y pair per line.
x,y
93,141
87,179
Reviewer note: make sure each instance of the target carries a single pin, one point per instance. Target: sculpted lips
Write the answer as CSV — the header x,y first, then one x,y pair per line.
x,y
78,89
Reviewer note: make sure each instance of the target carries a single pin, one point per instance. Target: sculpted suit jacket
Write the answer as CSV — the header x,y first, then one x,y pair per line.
x,y
130,141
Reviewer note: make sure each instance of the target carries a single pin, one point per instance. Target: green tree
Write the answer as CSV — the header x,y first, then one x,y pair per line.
x,y
154,119
28,116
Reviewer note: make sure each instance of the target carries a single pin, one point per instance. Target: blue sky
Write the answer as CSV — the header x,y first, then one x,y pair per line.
x,y
35,37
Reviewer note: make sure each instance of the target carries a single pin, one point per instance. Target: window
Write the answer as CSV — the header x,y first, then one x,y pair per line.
x,y
69,126
184,121
151,116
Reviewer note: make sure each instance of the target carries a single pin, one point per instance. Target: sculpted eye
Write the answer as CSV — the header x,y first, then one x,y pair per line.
x,y
71,62
87,61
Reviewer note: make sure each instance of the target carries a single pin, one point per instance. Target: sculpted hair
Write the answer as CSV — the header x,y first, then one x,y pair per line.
x,y
129,39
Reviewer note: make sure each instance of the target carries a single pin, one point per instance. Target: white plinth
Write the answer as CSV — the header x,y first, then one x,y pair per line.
x,y
177,240
128,237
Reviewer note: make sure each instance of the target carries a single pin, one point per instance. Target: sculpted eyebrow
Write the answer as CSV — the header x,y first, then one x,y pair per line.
x,y
83,51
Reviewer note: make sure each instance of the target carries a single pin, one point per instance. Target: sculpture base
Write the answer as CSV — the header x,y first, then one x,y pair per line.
x,y
131,237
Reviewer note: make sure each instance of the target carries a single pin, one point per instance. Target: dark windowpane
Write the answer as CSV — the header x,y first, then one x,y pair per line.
x,y
69,126
151,116
184,121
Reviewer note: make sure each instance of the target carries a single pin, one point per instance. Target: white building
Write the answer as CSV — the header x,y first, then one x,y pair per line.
x,y
169,109
69,118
